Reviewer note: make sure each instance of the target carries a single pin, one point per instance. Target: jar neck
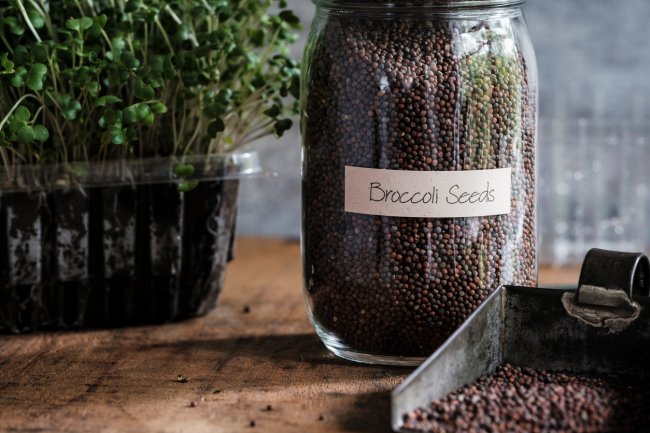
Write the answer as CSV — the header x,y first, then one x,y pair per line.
x,y
421,6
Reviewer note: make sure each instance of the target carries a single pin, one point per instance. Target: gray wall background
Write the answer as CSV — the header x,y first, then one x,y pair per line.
x,y
594,64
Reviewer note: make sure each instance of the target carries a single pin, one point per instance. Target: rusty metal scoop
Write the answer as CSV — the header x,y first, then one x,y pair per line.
x,y
603,326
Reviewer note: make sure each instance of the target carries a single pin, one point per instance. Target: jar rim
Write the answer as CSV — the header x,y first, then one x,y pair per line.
x,y
396,5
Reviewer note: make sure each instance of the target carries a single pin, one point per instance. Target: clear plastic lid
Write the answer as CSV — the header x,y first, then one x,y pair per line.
x,y
131,172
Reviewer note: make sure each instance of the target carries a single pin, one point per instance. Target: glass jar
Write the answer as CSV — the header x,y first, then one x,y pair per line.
x,y
419,169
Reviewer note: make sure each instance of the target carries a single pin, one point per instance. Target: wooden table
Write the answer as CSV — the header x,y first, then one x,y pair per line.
x,y
253,364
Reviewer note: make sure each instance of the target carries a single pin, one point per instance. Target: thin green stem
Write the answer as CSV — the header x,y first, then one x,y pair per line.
x,y
54,101
5,160
16,105
6,43
39,111
46,18
252,138
145,47
183,123
91,5
17,154
43,9
23,12
81,52
256,132
208,7
198,130
164,35
174,127
270,47
53,74
107,39
81,10
64,147
176,18
172,14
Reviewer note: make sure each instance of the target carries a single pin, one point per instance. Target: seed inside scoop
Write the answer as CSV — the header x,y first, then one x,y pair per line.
x,y
524,400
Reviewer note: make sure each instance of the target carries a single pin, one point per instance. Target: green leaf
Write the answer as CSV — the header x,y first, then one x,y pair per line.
x,y
36,77
142,111
107,100
184,32
130,115
184,170
225,96
70,113
168,68
35,84
71,107
6,64
36,18
294,86
215,110
132,6
26,135
118,43
22,114
118,138
98,24
73,24
282,126
21,55
18,80
129,60
101,20
117,135
150,119
159,108
290,18
15,26
143,91
93,88
41,133
274,111
188,185
215,127
257,37
85,23
15,125
39,53
61,47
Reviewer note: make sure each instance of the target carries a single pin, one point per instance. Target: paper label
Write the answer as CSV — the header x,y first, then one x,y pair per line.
x,y
428,194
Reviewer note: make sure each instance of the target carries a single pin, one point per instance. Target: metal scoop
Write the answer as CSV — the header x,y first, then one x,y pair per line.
x,y
602,326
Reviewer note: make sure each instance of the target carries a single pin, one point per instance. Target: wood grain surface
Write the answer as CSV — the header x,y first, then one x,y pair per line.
x,y
255,352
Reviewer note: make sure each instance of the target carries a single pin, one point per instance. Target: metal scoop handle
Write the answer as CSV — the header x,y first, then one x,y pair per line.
x,y
614,270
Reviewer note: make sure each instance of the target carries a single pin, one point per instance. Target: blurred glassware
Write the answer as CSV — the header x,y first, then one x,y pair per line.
x,y
593,186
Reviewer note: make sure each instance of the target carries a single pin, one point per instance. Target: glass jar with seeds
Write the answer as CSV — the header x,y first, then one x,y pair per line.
x,y
419,171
